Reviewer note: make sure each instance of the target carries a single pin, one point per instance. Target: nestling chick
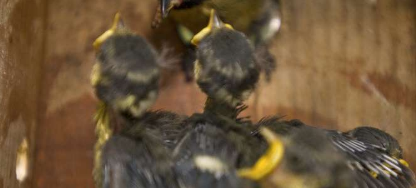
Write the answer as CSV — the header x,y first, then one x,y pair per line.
x,y
302,159
259,20
225,68
217,142
125,78
126,73
370,165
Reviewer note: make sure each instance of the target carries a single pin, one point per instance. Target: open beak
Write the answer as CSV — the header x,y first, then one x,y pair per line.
x,y
167,5
214,23
269,161
117,24
163,11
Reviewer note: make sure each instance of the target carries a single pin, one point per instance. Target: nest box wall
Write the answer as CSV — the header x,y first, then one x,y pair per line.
x,y
22,36
341,64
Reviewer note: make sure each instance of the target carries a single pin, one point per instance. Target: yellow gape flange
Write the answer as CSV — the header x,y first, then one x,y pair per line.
x,y
214,23
116,24
403,162
269,161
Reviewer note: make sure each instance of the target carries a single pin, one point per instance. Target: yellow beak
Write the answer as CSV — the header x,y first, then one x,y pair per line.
x,y
117,23
214,23
269,161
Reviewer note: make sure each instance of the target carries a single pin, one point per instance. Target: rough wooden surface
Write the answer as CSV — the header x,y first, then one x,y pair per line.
x,y
341,64
21,49
345,64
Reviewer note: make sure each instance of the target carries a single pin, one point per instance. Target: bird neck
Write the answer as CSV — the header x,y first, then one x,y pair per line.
x,y
221,108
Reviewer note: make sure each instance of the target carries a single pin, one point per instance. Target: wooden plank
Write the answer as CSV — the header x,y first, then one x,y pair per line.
x,y
341,64
21,49
348,64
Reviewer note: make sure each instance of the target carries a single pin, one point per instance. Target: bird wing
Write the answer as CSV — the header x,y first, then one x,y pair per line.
x,y
377,137
373,166
129,162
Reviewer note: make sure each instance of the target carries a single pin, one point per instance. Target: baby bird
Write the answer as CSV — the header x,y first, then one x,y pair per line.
x,y
304,159
125,78
369,164
126,74
297,157
217,142
259,20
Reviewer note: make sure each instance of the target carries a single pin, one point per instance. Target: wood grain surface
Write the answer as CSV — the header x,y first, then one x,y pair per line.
x,y
341,64
22,24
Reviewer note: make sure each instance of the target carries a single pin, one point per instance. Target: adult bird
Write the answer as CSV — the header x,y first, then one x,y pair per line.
x,y
134,145
369,159
217,142
260,20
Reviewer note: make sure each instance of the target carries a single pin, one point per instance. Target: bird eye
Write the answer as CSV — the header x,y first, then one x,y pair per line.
x,y
295,159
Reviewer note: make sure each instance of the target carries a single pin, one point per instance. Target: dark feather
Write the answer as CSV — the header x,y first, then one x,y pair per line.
x,y
127,66
233,69
132,162
369,158
206,140
378,137
265,61
167,126
373,160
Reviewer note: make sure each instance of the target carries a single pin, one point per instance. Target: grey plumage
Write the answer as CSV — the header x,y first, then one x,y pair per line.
x,y
125,78
260,20
226,71
227,66
378,137
136,163
127,67
374,160
370,163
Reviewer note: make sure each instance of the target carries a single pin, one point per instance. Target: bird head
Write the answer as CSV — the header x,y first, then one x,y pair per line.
x,y
225,68
126,73
306,159
311,159
165,6
116,28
